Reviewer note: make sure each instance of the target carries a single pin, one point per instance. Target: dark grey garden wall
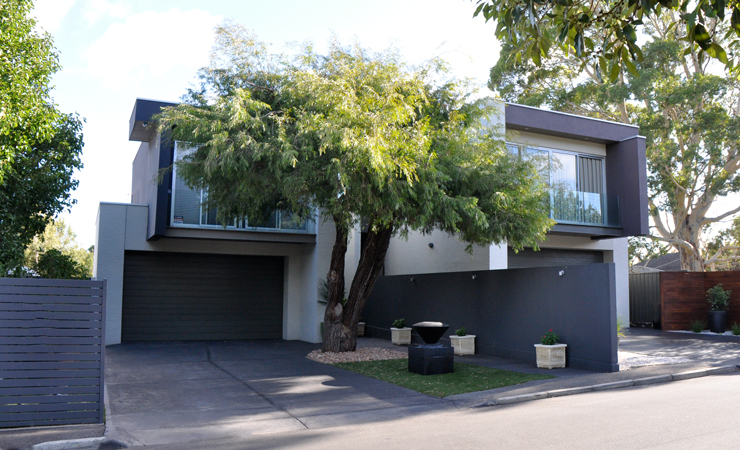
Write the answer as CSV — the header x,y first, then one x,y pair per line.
x,y
508,310
51,351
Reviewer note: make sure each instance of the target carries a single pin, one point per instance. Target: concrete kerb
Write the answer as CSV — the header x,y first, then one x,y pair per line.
x,y
606,386
80,444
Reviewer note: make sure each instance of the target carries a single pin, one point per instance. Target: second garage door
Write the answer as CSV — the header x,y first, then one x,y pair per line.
x,y
184,296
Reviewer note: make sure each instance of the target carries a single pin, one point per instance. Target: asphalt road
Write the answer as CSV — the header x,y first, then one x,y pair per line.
x,y
692,414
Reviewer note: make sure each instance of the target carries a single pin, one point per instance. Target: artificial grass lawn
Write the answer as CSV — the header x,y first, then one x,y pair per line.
x,y
465,378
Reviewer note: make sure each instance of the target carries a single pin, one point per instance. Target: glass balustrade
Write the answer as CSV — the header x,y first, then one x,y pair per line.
x,y
584,208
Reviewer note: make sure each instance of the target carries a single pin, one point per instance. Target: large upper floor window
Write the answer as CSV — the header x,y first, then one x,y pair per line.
x,y
577,185
190,209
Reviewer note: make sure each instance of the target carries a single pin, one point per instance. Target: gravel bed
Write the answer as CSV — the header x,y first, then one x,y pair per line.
x,y
726,333
629,360
361,354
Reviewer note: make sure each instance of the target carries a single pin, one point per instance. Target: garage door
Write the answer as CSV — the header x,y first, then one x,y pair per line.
x,y
183,296
548,257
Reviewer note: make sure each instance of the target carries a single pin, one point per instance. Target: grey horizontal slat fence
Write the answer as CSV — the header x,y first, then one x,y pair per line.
x,y
51,351
645,298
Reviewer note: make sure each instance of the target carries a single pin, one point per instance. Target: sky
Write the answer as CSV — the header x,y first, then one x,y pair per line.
x,y
112,52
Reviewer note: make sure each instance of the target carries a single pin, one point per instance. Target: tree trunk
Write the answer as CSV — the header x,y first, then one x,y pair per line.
x,y
334,331
340,330
691,260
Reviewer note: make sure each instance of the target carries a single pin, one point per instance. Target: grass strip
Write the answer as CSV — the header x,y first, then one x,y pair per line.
x,y
465,378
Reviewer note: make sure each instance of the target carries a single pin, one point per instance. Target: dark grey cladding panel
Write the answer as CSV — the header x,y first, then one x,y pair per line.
x,y
626,177
142,114
508,310
553,123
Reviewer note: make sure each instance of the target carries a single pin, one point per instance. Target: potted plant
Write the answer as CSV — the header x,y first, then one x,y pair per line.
x,y
719,301
550,353
400,334
463,343
361,328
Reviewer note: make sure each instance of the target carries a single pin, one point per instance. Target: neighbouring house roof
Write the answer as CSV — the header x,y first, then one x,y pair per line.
x,y
666,263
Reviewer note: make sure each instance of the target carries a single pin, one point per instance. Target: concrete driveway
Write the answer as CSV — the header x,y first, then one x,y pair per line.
x,y
166,393
700,348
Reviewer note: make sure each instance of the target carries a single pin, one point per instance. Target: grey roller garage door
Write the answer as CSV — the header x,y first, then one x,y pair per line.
x,y
548,257
183,296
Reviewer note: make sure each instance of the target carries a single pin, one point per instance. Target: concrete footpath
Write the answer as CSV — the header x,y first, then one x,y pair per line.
x,y
174,393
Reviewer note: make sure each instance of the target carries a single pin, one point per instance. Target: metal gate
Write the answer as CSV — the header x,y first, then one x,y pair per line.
x,y
645,298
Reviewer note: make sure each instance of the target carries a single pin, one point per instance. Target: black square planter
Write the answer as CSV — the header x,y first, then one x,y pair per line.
x,y
431,359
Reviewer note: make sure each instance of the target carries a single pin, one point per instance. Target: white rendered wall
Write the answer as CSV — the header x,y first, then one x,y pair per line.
x,y
556,143
448,255
122,227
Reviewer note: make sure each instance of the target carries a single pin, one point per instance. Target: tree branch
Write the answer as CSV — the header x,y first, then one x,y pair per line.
x,y
708,220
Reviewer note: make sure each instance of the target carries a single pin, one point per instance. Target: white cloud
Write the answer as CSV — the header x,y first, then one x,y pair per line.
x,y
50,13
151,47
95,10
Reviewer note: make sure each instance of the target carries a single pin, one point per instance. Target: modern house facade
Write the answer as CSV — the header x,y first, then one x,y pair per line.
x,y
174,273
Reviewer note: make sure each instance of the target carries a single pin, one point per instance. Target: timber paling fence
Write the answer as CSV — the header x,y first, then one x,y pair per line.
x,y
51,351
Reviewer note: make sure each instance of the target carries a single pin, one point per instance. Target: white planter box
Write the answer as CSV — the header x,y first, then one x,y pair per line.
x,y
550,356
361,329
463,345
401,336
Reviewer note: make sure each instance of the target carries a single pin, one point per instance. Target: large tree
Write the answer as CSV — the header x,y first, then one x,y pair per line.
x,y
36,187
357,136
687,107
27,62
55,253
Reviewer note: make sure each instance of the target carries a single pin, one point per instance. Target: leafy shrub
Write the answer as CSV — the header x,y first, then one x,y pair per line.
x,y
735,328
55,264
550,338
697,326
460,331
399,323
718,298
620,328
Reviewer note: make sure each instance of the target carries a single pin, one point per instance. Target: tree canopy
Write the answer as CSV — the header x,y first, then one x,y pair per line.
x,y
27,62
688,109
359,136
604,33
56,254
37,186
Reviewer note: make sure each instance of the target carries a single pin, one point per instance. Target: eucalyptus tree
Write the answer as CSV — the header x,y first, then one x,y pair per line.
x,y
687,106
358,136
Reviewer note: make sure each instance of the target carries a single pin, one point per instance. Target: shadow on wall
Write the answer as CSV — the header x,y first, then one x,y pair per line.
x,y
509,310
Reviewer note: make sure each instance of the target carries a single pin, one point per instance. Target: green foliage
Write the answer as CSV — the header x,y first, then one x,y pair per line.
x,y
723,251
718,298
643,248
55,264
549,338
735,328
465,378
460,331
59,236
37,186
604,33
27,62
620,328
697,326
399,323
358,136
684,106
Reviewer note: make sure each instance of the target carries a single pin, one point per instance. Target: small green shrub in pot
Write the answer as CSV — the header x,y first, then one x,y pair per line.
x,y
550,338
735,328
718,298
697,326
460,331
399,323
